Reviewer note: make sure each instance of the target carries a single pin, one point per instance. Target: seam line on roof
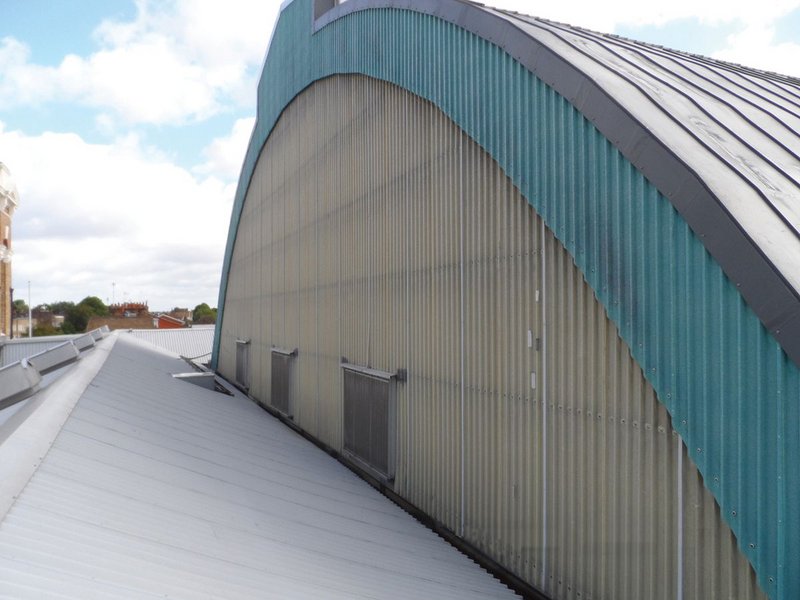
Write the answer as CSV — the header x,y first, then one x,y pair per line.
x,y
698,69
694,103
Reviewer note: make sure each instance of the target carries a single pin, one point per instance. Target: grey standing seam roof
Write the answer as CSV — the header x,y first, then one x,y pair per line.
x,y
157,488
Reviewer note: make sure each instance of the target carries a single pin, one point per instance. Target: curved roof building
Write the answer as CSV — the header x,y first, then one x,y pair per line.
x,y
540,283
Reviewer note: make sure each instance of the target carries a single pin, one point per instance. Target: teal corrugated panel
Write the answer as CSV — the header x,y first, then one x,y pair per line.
x,y
732,393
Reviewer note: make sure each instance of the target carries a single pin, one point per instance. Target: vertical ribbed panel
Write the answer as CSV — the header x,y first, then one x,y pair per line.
x,y
373,225
612,473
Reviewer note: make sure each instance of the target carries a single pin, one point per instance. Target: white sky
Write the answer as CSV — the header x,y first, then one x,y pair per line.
x,y
125,131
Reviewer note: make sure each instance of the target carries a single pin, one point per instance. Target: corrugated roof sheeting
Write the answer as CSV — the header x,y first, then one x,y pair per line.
x,y
157,488
732,392
191,342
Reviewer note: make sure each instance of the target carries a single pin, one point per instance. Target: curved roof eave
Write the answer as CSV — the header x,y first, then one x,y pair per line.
x,y
757,250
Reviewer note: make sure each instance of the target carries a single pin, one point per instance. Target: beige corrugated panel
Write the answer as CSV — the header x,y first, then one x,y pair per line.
x,y
713,566
612,499
374,229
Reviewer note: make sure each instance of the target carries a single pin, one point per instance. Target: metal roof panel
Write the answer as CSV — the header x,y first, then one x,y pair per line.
x,y
153,487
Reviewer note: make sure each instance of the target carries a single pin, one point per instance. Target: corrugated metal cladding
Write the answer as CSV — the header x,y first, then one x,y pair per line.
x,y
733,394
375,229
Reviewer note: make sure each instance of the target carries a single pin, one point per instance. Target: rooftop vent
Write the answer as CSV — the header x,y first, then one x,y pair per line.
x,y
84,342
205,379
17,381
54,358
370,418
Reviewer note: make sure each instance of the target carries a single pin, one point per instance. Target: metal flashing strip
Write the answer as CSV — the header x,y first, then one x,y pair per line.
x,y
284,351
205,379
399,375
763,286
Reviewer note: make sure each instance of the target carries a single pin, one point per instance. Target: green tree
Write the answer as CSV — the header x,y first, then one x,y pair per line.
x,y
45,329
203,314
61,307
76,319
20,308
94,305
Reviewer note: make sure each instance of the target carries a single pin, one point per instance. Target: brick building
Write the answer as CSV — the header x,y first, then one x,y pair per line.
x,y
8,203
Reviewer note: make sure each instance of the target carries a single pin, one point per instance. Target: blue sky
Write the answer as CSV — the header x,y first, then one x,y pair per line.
x,y
124,124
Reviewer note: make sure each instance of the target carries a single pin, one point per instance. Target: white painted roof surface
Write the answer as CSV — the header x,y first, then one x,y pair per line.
x,y
738,128
192,342
157,488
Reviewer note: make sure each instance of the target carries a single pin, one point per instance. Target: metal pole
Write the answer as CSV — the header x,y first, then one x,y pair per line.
x,y
30,312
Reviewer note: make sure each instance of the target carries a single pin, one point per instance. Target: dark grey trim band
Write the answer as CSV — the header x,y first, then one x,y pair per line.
x,y
763,286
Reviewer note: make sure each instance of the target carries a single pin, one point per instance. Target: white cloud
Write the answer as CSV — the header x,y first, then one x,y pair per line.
x,y
225,154
605,16
177,61
186,60
755,47
752,45
91,214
